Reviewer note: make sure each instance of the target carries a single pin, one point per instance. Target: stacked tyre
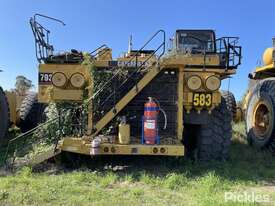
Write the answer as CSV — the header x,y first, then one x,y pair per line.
x,y
31,112
230,102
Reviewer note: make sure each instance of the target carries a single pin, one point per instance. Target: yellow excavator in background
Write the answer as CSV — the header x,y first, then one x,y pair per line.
x,y
259,105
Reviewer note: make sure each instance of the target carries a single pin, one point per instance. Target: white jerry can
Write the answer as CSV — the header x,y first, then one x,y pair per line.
x,y
95,146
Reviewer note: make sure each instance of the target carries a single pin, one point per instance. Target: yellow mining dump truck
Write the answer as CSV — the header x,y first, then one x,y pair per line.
x,y
260,103
150,102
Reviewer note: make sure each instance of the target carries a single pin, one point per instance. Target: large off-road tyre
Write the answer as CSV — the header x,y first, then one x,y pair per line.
x,y
214,138
4,115
31,112
27,104
260,115
230,102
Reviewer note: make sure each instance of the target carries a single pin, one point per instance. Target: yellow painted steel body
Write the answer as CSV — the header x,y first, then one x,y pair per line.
x,y
182,63
104,60
191,59
82,146
185,101
48,92
268,60
265,68
14,102
268,56
185,98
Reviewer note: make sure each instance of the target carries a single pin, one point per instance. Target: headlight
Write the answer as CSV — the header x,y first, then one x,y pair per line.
x,y
213,83
77,80
59,79
194,82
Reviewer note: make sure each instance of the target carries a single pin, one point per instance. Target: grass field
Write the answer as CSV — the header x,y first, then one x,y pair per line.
x,y
146,181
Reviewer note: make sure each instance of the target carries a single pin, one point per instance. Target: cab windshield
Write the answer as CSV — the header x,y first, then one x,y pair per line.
x,y
196,41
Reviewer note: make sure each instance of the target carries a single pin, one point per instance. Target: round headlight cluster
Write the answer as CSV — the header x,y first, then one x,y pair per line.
x,y
194,82
77,80
212,83
59,79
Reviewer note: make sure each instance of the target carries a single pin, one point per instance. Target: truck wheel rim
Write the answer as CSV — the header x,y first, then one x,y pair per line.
x,y
262,120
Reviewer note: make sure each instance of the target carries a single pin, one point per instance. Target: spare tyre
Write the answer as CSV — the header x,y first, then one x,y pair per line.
x,y
230,102
31,112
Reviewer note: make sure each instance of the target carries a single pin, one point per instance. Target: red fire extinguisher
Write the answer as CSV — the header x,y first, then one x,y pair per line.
x,y
150,125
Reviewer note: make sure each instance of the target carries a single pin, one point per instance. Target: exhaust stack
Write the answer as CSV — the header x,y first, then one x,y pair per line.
x,y
130,45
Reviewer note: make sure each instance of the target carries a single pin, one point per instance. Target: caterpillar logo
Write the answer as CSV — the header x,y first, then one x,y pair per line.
x,y
128,64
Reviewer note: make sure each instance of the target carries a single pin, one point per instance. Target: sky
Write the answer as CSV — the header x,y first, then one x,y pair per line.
x,y
90,24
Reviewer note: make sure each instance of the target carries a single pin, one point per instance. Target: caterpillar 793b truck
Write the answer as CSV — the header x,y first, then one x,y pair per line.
x,y
149,101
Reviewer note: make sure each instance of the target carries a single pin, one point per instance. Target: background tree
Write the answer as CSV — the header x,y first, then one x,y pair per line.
x,y
22,85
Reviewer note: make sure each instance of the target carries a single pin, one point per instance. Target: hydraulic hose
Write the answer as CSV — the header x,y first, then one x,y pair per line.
x,y
163,112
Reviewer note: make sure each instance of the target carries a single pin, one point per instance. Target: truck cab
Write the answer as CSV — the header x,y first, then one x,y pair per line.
x,y
224,52
195,41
